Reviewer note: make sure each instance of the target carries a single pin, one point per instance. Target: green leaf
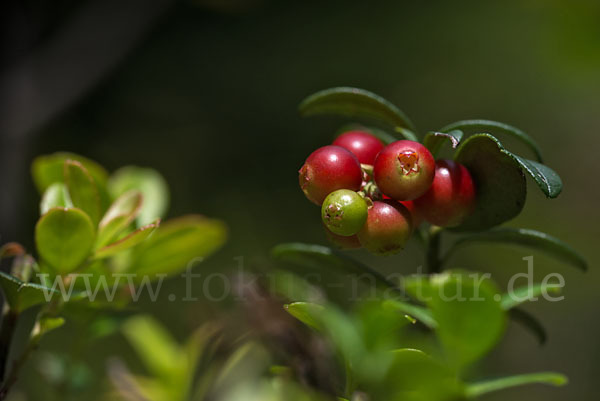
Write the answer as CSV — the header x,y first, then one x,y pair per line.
x,y
501,187
529,322
459,303
423,315
82,189
119,216
478,389
49,323
527,293
321,257
21,296
150,183
177,243
434,140
56,195
64,238
127,242
306,312
545,178
492,127
354,102
526,238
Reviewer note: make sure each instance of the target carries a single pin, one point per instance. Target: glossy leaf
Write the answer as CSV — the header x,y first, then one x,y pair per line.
x,y
82,189
321,257
176,243
20,295
434,140
150,183
307,313
56,195
545,178
354,102
550,378
494,127
64,238
527,293
501,186
530,323
127,242
119,216
523,237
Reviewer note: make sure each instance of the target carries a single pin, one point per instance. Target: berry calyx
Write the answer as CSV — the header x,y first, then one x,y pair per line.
x,y
451,197
344,212
404,170
387,229
342,242
328,169
362,144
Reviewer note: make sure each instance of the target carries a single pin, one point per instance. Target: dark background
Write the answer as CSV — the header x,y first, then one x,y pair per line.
x,y
207,93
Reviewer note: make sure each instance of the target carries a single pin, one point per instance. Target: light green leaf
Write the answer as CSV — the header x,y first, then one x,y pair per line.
x,y
354,102
523,237
176,243
21,296
527,293
529,322
150,183
478,389
306,312
500,183
119,216
56,195
434,140
493,127
82,189
423,315
127,242
48,323
64,238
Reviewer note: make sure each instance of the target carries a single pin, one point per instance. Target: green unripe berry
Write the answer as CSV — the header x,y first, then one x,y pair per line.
x,y
344,212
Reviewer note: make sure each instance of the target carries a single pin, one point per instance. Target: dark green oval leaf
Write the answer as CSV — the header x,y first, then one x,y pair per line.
x,y
20,295
56,195
529,322
501,186
523,237
493,127
64,238
545,178
82,189
478,389
434,140
354,102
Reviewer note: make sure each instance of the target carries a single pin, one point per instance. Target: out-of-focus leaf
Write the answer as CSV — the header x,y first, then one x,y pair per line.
x,y
493,127
434,140
56,195
82,189
459,302
527,293
545,178
176,243
64,238
529,322
322,257
500,183
305,312
478,389
354,102
150,183
127,242
119,216
423,315
523,237
20,295
48,169
48,323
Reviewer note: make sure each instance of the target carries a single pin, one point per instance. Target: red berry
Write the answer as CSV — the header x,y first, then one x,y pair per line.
x,y
451,197
364,145
328,169
404,170
341,241
417,217
387,229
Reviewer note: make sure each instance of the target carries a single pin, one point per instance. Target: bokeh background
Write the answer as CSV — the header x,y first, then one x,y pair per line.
x,y
206,91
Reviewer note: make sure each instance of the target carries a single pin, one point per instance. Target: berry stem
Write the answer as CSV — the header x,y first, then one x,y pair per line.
x,y
432,256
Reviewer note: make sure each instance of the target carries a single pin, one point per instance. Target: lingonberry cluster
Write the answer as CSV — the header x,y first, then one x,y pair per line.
x,y
375,196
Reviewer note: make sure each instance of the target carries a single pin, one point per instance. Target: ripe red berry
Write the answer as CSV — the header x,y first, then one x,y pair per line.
x,y
364,145
451,197
404,170
341,241
328,169
344,212
387,229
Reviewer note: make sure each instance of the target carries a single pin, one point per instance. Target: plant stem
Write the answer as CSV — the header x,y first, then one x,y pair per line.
x,y
9,324
432,256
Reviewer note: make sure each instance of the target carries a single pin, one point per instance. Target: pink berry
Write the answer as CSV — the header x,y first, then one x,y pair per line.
x,y
328,169
362,144
387,229
451,197
404,170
